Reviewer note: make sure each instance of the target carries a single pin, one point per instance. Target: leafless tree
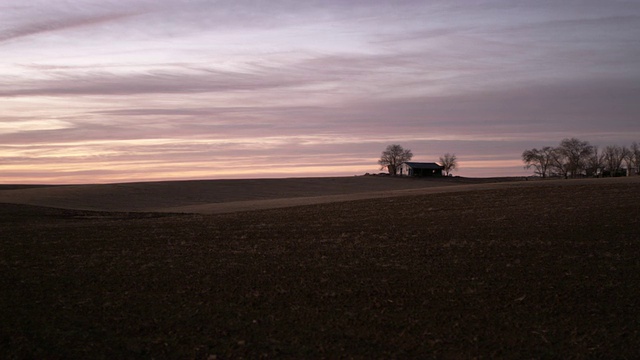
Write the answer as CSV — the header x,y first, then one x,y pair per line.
x,y
634,158
559,164
449,162
574,157
393,156
574,153
595,163
629,161
613,157
539,159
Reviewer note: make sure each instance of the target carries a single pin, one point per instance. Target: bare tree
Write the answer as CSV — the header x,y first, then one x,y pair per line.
x,y
559,163
449,162
629,161
574,157
393,157
540,159
574,153
613,158
595,163
634,158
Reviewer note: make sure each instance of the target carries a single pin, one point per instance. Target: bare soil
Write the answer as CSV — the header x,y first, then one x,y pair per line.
x,y
199,196
538,269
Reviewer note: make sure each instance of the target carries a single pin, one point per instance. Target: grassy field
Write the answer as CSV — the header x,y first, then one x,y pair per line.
x,y
539,270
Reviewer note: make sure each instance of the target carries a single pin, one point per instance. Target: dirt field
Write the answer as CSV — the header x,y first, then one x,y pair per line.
x,y
538,269
208,196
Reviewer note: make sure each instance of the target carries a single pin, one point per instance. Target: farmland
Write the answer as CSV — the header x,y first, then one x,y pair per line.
x,y
531,269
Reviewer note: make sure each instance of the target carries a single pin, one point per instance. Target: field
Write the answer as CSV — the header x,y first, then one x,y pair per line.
x,y
360,268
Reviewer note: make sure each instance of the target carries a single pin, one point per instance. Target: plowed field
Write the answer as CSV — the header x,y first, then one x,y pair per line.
x,y
543,270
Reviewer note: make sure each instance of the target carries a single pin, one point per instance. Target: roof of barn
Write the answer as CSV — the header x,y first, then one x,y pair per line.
x,y
424,165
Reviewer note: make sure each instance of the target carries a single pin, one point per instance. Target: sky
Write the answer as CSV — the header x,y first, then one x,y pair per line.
x,y
103,91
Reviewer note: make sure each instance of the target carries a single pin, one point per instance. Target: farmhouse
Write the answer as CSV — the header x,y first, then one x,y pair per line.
x,y
421,169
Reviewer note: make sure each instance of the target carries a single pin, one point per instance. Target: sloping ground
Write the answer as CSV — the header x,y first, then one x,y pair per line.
x,y
434,187
164,196
540,270
225,196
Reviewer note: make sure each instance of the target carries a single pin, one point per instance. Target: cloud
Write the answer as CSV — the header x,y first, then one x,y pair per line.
x,y
208,111
151,82
515,112
32,125
332,72
154,85
48,23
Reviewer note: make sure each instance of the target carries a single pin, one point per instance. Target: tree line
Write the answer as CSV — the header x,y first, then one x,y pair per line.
x,y
576,158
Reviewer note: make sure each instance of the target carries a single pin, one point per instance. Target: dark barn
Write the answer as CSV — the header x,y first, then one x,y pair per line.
x,y
421,169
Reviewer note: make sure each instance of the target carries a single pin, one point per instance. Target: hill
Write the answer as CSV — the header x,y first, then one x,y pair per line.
x,y
208,195
224,196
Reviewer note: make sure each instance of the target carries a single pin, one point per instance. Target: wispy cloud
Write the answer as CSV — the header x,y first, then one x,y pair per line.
x,y
134,89
49,23
150,82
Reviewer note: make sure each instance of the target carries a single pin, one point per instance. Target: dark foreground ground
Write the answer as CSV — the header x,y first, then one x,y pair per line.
x,y
532,272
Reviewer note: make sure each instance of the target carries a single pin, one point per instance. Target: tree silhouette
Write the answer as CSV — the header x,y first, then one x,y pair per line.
x,y
393,156
574,158
449,162
575,153
614,156
540,159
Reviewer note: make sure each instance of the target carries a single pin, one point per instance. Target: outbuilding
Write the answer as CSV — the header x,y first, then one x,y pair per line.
x,y
421,169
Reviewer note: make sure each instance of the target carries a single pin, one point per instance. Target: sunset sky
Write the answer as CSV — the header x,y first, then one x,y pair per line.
x,y
116,91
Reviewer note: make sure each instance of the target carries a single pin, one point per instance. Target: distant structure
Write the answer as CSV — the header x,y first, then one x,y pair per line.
x,y
420,169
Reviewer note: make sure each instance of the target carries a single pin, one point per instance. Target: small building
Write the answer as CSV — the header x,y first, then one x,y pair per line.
x,y
420,169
